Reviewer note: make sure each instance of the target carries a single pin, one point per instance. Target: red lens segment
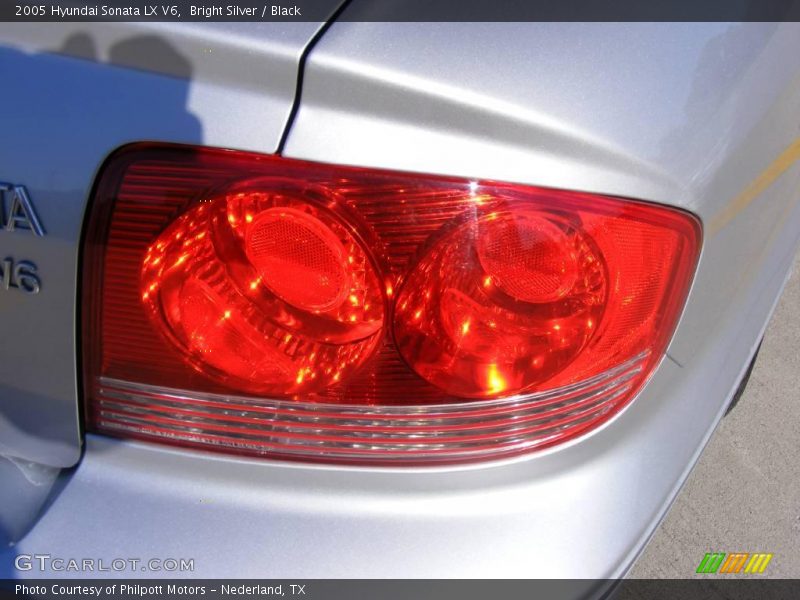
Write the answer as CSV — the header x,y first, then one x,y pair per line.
x,y
264,290
268,306
503,302
527,255
299,258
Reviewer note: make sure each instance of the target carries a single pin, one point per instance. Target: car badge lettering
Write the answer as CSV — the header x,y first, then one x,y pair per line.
x,y
16,210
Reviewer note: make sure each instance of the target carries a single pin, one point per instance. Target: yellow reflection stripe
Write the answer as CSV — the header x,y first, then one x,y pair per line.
x,y
756,187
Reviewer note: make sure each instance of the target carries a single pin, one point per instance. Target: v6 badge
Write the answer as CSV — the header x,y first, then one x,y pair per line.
x,y
21,276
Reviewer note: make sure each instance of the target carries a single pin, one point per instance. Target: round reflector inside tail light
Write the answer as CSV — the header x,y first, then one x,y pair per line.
x,y
251,286
283,243
269,306
527,255
502,302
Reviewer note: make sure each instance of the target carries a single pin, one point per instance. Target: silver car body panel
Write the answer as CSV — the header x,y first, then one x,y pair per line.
x,y
700,116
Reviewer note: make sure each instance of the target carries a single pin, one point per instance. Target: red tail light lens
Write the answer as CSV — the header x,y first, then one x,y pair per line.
x,y
268,306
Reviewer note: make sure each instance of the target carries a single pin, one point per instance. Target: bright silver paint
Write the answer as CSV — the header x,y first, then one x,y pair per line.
x,y
693,115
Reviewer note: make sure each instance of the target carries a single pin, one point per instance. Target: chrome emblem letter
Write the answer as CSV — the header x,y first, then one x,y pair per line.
x,y
20,215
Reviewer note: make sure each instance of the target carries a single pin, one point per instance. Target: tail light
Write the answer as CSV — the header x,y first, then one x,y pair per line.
x,y
267,306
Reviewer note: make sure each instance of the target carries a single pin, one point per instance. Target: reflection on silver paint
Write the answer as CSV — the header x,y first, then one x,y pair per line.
x,y
24,487
34,473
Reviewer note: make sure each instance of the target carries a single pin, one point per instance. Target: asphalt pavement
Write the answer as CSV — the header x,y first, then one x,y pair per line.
x,y
744,493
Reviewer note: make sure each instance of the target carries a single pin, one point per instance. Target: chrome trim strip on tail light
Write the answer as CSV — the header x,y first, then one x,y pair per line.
x,y
406,434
